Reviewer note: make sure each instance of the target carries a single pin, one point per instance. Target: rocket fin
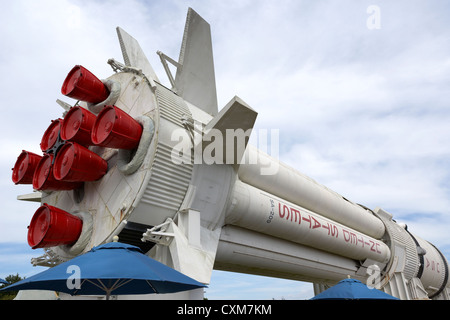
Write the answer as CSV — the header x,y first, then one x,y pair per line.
x,y
33,197
235,123
133,56
195,79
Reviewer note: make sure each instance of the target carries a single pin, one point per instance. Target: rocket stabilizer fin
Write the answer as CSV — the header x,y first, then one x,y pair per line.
x,y
195,78
235,123
33,197
133,56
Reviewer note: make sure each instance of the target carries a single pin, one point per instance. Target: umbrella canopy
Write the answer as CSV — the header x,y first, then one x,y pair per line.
x,y
3,281
351,289
113,268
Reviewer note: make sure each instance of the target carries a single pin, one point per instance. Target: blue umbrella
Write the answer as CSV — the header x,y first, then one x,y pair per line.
x,y
351,289
3,281
113,268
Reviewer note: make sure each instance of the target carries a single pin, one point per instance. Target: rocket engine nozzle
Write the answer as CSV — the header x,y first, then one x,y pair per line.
x,y
83,85
50,137
77,126
76,163
115,128
24,167
43,178
51,227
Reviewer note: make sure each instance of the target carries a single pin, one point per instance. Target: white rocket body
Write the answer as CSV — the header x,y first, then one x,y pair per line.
x,y
177,200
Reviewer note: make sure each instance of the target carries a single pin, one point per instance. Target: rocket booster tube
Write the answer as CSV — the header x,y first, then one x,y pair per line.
x,y
297,188
256,210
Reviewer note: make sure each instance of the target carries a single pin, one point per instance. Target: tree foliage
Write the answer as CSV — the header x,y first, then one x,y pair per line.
x,y
9,295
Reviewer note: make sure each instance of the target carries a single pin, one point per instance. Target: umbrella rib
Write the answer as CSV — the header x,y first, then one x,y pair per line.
x,y
119,284
102,286
105,288
81,285
150,284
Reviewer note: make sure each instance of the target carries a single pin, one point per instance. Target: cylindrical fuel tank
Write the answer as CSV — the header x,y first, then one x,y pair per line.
x,y
254,209
243,250
269,174
433,272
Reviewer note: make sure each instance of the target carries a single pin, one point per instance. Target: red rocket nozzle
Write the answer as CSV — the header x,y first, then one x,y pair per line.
x,y
43,178
24,168
77,163
115,128
51,227
77,126
82,85
50,136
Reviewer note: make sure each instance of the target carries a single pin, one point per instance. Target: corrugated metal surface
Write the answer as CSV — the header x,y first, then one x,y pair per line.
x,y
172,107
399,238
169,181
412,259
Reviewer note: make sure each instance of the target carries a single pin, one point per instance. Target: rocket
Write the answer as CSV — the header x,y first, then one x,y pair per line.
x,y
164,169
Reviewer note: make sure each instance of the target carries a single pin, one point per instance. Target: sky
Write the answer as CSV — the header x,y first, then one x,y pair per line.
x,y
359,91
